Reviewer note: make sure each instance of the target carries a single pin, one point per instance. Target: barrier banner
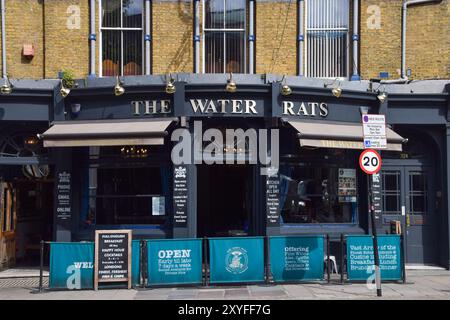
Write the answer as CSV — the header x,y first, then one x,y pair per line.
x,y
360,257
174,261
236,259
71,265
297,258
135,261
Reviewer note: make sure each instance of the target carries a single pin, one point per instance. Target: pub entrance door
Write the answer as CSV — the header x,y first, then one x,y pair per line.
x,y
224,200
408,194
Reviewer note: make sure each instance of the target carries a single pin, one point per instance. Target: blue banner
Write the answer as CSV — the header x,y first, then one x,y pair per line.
x,y
71,265
135,261
174,261
236,259
296,258
360,257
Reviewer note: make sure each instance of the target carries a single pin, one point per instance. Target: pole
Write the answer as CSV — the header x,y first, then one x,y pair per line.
x,y
328,259
342,258
375,241
41,267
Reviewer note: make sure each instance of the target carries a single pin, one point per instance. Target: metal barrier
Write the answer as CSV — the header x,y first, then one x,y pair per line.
x,y
270,256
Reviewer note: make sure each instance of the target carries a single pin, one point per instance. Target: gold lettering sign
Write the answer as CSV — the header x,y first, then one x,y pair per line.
x,y
340,144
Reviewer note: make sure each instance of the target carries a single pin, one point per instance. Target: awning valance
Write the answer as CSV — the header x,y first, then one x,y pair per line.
x,y
106,133
343,135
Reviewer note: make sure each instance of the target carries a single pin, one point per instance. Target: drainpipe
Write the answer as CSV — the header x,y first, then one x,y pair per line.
x,y
4,70
406,4
301,36
147,37
92,39
355,38
251,38
197,36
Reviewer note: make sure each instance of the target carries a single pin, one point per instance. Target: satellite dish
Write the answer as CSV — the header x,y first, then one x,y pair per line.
x,y
34,171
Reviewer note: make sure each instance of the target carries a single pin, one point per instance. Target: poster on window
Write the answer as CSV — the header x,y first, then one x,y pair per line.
x,y
158,206
347,185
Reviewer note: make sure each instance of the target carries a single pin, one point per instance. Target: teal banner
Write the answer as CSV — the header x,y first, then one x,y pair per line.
x,y
135,261
296,258
71,265
236,259
174,261
360,257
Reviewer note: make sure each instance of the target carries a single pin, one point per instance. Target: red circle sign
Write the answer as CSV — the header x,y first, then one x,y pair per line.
x,y
370,161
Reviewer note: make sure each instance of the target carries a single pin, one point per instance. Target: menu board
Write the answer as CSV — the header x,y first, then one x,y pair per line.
x,y
347,185
273,200
180,196
63,205
112,256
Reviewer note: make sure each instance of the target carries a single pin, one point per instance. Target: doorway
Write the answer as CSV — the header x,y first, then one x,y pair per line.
x,y
408,194
224,203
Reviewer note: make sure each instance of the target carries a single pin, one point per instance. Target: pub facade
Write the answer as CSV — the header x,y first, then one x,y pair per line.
x,y
110,161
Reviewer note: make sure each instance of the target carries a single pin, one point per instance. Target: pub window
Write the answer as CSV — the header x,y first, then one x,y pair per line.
x,y
121,35
124,188
224,34
327,38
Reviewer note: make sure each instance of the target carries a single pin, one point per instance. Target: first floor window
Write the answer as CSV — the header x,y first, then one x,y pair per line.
x,y
327,38
224,36
318,194
121,30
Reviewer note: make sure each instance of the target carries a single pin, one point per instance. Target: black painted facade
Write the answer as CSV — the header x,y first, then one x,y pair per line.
x,y
418,112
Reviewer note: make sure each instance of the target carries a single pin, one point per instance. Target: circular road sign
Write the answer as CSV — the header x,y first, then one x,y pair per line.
x,y
370,161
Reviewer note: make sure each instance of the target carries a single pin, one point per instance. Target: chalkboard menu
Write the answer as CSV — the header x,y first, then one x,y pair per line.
x,y
376,199
180,196
63,205
273,199
112,256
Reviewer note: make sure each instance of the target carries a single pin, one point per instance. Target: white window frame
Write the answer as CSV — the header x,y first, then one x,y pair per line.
x,y
224,31
120,29
305,61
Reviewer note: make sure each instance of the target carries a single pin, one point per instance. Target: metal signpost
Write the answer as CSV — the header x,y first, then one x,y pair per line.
x,y
374,132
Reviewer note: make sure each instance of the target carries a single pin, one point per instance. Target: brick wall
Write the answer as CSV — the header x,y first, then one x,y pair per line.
x,y
51,27
276,34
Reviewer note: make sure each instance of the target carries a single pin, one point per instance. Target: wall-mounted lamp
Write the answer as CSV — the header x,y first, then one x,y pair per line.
x,y
64,91
118,89
336,91
170,86
6,88
382,97
285,89
231,85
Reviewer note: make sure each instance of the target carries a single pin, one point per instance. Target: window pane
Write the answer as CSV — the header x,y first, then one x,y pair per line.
x,y
111,13
110,52
132,13
391,181
391,204
235,14
235,44
391,192
418,182
318,195
214,52
418,204
327,38
214,14
132,55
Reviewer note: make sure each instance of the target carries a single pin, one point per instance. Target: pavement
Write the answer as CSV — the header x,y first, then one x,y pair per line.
x,y
420,285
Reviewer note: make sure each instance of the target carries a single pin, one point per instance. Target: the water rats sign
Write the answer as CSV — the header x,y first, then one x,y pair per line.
x,y
174,261
71,265
296,258
236,259
360,258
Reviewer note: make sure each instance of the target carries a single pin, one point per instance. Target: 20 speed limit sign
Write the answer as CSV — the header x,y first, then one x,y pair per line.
x,y
370,161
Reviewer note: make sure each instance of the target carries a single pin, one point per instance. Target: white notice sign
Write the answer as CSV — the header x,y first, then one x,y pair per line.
x,y
374,131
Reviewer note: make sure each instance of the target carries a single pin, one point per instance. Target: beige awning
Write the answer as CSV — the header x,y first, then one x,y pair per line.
x,y
344,135
106,133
